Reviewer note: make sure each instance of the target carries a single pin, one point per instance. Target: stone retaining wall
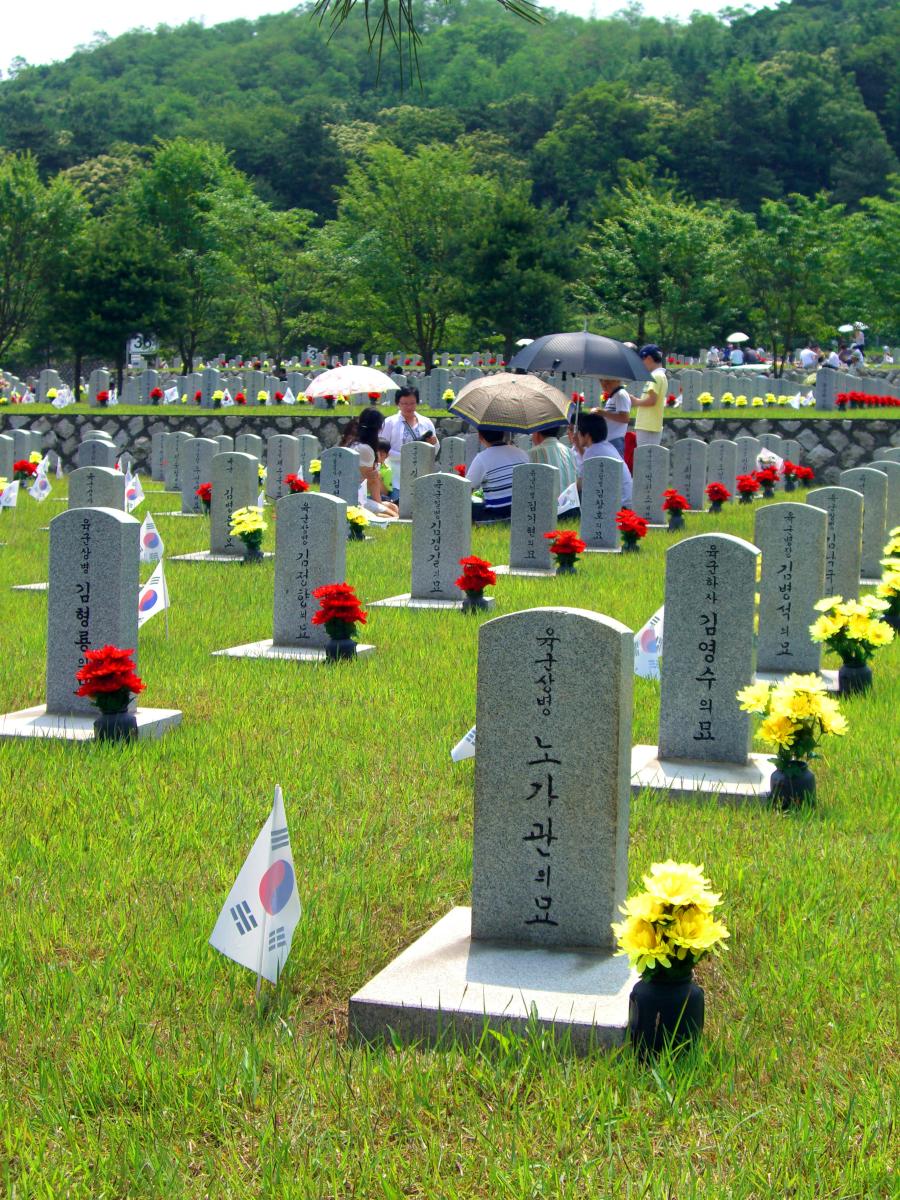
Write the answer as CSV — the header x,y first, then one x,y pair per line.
x,y
830,446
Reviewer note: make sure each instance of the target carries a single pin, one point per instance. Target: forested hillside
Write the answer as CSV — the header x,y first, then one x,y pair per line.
x,y
258,183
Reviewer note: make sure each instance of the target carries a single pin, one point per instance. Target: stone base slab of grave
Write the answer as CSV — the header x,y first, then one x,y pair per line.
x,y
537,572
447,985
268,649
173,513
602,550
36,723
407,601
207,556
30,587
728,781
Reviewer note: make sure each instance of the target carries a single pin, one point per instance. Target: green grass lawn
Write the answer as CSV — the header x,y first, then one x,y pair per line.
x,y
135,1062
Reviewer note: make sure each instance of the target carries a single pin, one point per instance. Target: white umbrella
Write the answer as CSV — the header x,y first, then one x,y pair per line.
x,y
351,380
737,337
524,341
850,328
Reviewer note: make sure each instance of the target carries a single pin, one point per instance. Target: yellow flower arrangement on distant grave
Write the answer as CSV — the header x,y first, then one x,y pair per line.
x,y
357,521
852,629
757,402
740,401
262,396
797,712
705,399
35,456
727,399
771,399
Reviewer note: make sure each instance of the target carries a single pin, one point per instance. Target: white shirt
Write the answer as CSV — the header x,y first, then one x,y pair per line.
x,y
396,431
608,450
736,357
619,402
832,360
492,470
808,358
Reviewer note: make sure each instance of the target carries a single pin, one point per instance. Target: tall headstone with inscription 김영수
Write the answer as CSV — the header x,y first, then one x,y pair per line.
x,y
195,468
689,470
282,458
550,853
650,479
843,507
97,487
416,460
873,486
704,737
535,492
93,591
791,541
601,499
340,473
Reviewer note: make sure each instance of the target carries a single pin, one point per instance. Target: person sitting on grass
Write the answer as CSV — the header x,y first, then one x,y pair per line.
x,y
546,447
491,470
368,426
592,439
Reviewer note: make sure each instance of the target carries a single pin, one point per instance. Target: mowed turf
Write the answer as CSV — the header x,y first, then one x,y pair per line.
x,y
135,1061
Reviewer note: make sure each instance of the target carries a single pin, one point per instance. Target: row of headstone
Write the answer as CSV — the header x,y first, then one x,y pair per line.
x,y
16,445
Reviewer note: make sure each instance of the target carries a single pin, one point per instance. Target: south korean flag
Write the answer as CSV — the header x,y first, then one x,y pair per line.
x,y
257,921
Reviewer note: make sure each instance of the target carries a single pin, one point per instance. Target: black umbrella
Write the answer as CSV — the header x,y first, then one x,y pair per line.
x,y
581,354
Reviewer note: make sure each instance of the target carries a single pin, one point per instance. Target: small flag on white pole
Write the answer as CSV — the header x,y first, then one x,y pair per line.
x,y
134,492
154,596
568,500
227,401
288,397
648,642
59,469
10,495
465,747
257,922
151,543
41,488
170,395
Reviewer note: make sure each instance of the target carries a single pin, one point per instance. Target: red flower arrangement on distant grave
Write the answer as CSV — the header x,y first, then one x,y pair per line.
x,y
789,473
102,398
340,612
279,396
108,679
460,469
805,475
566,545
407,362
296,483
671,400
373,396
257,365
747,486
476,576
240,398
23,470
865,400
156,394
204,491
632,528
674,504
198,396
767,478
718,493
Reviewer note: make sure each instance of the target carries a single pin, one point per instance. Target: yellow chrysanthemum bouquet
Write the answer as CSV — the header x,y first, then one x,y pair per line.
x,y
797,713
705,399
854,630
248,525
670,926
357,520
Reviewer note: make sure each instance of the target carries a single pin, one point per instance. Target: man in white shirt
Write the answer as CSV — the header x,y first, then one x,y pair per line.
x,y
406,425
736,356
592,440
809,356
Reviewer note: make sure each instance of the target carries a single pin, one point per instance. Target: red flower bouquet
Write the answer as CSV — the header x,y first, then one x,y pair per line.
x,y
805,475
339,611
198,396
674,504
747,486
373,396
718,493
23,470
565,545
476,576
296,483
108,679
156,394
204,491
240,398
279,396
671,400
460,469
102,398
767,477
632,528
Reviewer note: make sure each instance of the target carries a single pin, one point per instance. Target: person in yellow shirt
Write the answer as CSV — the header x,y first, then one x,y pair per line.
x,y
648,407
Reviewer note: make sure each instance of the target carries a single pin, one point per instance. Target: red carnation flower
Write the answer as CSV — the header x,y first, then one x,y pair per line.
x,y
460,469
674,501
477,574
279,396
374,395
156,393
339,610
24,470
240,398
296,483
565,541
767,476
632,528
204,491
747,484
108,678
718,492
102,397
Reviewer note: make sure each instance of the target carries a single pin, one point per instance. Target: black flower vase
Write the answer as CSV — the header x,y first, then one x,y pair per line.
x,y
338,649
565,564
746,498
115,727
676,521
892,619
474,601
715,506
665,1010
793,786
631,547
854,678
252,553
357,533
789,483
768,492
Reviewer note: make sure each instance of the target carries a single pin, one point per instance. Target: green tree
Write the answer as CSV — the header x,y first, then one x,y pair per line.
x,y
38,226
518,268
869,263
393,264
177,200
659,261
